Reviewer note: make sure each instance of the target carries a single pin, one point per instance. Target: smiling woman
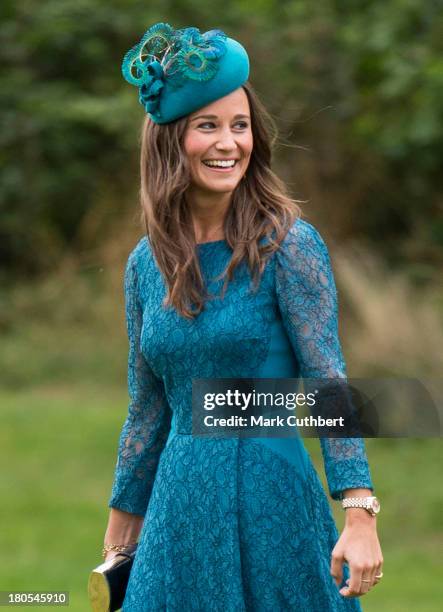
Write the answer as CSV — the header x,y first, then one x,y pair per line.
x,y
228,282
186,200
218,144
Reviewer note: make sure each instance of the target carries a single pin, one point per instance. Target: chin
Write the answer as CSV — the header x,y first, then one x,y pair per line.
x,y
227,188
220,186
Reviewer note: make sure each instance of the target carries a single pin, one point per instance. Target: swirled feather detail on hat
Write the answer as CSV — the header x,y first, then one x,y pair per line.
x,y
179,71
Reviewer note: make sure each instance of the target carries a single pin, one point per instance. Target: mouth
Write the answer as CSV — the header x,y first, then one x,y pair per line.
x,y
220,165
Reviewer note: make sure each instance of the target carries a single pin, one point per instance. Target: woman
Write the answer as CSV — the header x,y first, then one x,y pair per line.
x,y
226,524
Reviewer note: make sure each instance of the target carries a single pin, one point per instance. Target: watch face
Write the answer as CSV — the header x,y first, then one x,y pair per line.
x,y
375,505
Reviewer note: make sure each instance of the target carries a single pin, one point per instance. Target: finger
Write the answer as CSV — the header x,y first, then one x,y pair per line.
x,y
372,577
353,590
378,572
367,580
347,592
337,568
355,583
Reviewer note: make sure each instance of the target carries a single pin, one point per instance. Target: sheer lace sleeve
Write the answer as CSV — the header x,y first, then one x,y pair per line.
x,y
147,424
307,299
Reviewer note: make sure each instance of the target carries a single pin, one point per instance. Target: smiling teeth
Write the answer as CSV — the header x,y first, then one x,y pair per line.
x,y
220,164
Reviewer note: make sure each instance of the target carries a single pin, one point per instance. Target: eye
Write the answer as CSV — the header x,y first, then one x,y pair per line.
x,y
242,124
207,123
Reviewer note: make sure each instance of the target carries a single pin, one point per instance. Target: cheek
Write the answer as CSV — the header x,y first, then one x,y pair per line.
x,y
194,146
250,143
247,145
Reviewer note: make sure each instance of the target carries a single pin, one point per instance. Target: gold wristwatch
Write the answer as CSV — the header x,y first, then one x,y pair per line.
x,y
369,503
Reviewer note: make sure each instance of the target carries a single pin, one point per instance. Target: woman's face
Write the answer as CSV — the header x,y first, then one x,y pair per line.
x,y
218,142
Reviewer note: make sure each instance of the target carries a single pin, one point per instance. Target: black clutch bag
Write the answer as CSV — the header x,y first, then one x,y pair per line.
x,y
108,581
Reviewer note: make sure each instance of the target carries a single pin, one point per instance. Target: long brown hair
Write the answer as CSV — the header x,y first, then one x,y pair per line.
x,y
260,207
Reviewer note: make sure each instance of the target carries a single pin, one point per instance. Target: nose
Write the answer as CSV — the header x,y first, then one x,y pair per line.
x,y
226,141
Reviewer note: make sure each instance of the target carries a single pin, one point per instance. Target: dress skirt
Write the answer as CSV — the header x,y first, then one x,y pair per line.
x,y
232,525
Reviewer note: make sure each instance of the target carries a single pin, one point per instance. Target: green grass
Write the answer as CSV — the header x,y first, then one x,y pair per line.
x,y
58,450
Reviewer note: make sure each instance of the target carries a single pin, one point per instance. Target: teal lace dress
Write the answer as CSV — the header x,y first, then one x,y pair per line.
x,y
231,524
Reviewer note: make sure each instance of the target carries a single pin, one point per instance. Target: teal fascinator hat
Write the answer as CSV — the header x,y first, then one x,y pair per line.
x,y
179,71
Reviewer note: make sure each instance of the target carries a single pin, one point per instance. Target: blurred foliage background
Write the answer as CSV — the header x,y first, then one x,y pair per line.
x,y
356,89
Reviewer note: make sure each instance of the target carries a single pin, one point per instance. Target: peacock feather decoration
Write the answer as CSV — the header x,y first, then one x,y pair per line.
x,y
175,55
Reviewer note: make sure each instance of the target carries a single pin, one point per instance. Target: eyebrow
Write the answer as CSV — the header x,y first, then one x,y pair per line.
x,y
240,116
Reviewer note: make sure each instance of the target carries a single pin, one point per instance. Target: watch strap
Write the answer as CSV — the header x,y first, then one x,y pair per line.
x,y
369,503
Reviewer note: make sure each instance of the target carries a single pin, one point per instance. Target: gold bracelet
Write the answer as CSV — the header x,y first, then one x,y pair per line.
x,y
116,547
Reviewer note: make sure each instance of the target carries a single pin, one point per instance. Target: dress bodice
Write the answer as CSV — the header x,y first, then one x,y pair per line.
x,y
287,327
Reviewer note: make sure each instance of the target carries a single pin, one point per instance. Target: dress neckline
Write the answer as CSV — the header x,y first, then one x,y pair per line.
x,y
202,244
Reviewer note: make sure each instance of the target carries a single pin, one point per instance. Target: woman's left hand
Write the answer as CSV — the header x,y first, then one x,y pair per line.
x,y
359,546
